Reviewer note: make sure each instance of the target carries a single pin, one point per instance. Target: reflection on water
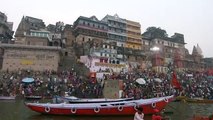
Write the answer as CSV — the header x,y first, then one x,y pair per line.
x,y
53,117
15,110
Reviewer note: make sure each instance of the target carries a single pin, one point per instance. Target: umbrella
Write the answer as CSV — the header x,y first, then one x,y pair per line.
x,y
157,80
140,81
28,80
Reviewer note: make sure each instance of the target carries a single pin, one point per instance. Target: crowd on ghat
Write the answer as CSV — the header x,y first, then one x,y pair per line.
x,y
49,84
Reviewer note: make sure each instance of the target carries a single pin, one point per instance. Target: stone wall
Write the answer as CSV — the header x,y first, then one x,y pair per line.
x,y
36,58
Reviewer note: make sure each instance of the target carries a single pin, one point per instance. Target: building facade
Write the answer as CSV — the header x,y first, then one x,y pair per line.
x,y
116,29
6,32
67,34
171,51
133,30
29,30
88,29
56,32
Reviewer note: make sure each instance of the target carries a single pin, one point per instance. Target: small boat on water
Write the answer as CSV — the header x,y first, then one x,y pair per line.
x,y
103,108
7,97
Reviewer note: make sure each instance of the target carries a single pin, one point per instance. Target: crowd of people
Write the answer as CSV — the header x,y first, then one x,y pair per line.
x,y
50,83
193,85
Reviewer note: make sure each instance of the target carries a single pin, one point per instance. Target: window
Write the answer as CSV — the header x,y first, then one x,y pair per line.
x,y
66,53
88,24
83,39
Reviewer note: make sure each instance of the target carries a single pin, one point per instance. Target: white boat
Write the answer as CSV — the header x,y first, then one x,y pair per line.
x,y
75,100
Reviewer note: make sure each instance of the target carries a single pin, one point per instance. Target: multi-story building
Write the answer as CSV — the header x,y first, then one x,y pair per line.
x,y
56,34
88,29
101,53
89,33
171,51
116,29
6,32
133,30
31,31
127,35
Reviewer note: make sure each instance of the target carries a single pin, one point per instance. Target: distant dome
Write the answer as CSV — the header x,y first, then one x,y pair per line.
x,y
199,51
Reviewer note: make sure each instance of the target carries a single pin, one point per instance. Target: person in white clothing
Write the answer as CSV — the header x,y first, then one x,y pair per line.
x,y
139,115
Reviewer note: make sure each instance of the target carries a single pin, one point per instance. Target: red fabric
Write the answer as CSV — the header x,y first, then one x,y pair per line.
x,y
210,72
175,82
156,117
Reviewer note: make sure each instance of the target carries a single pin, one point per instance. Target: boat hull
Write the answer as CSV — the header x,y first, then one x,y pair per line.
x,y
96,109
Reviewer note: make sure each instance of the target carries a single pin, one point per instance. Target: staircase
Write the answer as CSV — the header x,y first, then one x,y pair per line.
x,y
71,61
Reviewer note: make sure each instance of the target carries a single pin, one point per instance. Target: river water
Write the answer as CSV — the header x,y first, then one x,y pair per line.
x,y
16,110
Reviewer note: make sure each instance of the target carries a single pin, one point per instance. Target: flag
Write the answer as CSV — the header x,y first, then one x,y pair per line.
x,y
175,82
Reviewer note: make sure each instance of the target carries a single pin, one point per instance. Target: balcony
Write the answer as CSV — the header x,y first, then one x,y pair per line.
x,y
133,36
133,30
134,41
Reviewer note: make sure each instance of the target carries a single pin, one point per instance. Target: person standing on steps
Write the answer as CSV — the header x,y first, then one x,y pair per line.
x,y
139,115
